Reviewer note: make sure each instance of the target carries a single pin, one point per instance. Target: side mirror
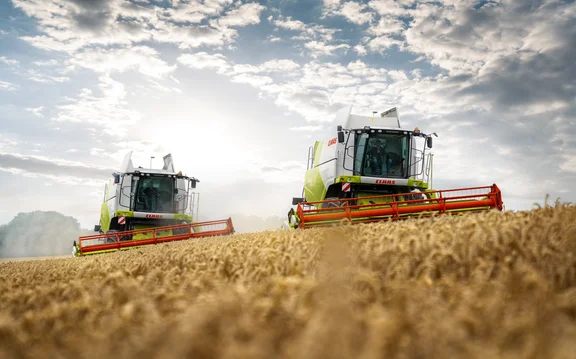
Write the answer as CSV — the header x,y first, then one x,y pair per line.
x,y
116,178
340,137
193,184
296,200
429,142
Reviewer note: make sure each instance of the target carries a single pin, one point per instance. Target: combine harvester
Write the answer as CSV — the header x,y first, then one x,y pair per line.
x,y
373,170
148,206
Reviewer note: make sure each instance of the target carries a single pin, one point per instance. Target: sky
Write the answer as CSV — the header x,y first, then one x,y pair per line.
x,y
237,91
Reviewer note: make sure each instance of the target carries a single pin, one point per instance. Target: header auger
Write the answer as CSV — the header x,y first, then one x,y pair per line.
x,y
370,170
148,206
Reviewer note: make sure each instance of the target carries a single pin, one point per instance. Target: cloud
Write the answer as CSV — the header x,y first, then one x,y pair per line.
x,y
109,112
354,12
193,11
70,26
7,86
387,26
52,167
246,14
279,65
290,24
36,76
360,50
36,111
140,58
319,48
193,37
253,80
203,60
7,61
305,90
317,39
391,7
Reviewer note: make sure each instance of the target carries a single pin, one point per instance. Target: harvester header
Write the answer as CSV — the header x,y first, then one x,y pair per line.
x,y
371,169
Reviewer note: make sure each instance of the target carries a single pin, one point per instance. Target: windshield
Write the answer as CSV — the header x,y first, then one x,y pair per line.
x,y
381,155
155,194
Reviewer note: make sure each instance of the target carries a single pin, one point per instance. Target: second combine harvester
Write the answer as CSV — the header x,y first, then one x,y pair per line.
x,y
371,169
148,206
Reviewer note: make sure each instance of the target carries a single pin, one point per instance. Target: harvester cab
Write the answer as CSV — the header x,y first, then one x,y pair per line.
x,y
147,206
371,169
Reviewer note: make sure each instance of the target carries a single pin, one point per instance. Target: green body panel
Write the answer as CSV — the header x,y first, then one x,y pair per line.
x,y
104,212
348,179
107,251
314,188
104,218
183,217
419,184
124,213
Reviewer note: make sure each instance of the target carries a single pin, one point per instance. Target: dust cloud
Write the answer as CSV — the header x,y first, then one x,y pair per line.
x,y
39,234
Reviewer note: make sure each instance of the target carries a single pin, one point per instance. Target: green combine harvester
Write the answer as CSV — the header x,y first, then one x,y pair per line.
x,y
148,206
370,169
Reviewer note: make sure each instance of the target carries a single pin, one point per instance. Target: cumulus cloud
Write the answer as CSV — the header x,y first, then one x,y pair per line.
x,y
279,66
387,26
318,40
254,80
109,112
321,48
355,12
203,60
391,7
72,25
193,11
140,58
246,14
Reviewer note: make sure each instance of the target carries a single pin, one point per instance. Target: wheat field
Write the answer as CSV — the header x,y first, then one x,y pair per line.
x,y
494,285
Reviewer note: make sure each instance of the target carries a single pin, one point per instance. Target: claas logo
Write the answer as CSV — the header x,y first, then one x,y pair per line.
x,y
331,142
385,181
